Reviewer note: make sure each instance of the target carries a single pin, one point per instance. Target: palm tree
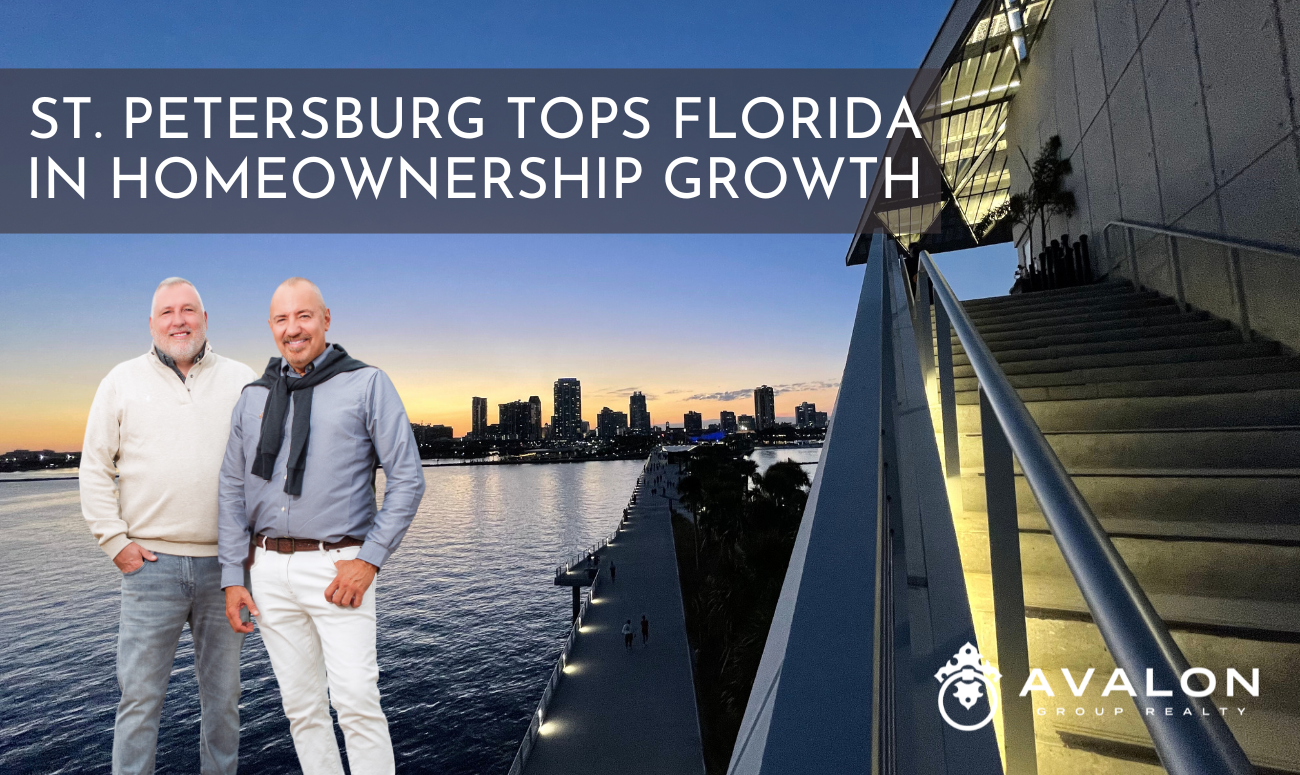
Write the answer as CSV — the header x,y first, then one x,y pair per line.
x,y
690,491
783,483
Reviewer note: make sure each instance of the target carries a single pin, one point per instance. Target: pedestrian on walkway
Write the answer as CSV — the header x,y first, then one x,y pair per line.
x,y
645,630
627,635
613,572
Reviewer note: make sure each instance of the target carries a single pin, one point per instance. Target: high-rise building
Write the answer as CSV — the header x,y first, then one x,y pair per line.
x,y
637,413
535,418
693,423
566,423
515,421
610,423
805,415
820,420
478,418
427,434
728,422
745,424
764,408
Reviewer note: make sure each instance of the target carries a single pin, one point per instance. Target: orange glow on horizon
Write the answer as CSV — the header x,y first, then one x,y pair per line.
x,y
54,417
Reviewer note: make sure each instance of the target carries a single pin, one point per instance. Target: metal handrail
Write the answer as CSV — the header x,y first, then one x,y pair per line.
x,y
1134,633
1198,236
1234,246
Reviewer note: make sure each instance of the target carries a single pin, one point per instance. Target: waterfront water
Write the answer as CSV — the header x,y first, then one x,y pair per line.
x,y
470,626
766,456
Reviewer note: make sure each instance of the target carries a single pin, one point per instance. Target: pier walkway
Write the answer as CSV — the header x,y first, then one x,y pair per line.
x,y
620,711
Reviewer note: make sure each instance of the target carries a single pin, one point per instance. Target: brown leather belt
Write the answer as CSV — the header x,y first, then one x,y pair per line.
x,y
291,545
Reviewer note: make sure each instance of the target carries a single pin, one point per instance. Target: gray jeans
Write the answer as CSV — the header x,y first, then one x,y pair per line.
x,y
157,602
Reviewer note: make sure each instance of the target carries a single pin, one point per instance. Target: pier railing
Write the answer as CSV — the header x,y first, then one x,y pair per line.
x,y
552,683
581,557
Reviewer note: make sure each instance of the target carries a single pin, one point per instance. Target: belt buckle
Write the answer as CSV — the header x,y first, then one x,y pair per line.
x,y
281,543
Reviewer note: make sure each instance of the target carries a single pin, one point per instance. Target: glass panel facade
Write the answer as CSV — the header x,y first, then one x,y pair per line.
x,y
964,120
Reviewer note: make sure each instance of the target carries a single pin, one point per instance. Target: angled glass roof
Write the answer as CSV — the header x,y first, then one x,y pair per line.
x,y
964,117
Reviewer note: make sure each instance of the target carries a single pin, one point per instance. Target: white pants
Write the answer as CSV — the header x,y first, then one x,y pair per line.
x,y
314,644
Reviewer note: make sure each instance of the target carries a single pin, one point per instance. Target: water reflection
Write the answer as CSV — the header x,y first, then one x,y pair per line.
x,y
470,625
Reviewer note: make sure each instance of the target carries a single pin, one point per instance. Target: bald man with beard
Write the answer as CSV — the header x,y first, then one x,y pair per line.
x,y
298,481
155,439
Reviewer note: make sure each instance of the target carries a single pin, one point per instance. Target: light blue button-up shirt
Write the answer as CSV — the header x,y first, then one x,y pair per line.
x,y
357,421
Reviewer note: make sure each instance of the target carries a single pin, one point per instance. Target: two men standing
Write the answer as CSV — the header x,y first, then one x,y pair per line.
x,y
195,479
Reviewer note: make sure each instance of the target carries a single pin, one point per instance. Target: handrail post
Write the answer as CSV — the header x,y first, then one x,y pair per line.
x,y
1008,593
1243,317
924,331
1178,273
947,394
1110,254
1132,257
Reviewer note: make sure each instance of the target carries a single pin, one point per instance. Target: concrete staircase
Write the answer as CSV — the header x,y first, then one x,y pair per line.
x,y
1185,440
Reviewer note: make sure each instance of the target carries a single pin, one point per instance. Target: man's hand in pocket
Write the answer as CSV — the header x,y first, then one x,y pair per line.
x,y
350,585
132,557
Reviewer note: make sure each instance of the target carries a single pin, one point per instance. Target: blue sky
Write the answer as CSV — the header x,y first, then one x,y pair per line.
x,y
682,317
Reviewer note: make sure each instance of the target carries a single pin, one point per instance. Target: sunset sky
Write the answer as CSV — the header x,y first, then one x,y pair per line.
x,y
695,322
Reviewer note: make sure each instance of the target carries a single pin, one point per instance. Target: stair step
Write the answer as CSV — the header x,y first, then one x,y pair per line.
x,y
1086,316
1147,372
1159,328
1069,639
1219,448
1259,738
1111,307
1187,577
1208,410
1136,358
1266,730
1179,498
1030,316
1157,320
1155,387
1274,621
1059,295
1169,342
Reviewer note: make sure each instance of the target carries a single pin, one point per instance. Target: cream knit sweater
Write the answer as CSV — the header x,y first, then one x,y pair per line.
x,y
153,449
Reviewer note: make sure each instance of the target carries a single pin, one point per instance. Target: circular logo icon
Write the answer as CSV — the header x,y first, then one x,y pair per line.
x,y
964,674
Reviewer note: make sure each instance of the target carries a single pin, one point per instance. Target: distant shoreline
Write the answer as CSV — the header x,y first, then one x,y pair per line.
x,y
426,464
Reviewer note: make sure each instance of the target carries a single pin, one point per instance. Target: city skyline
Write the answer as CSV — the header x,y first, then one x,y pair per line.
x,y
509,420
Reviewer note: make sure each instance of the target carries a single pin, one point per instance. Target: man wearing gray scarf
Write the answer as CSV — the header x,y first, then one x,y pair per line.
x,y
298,481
